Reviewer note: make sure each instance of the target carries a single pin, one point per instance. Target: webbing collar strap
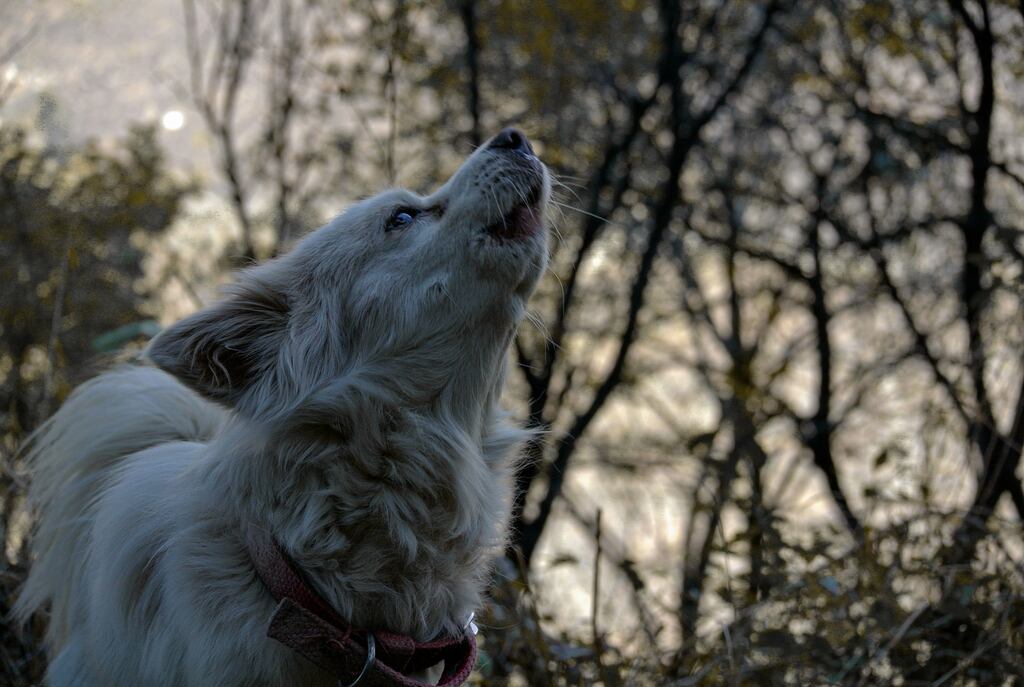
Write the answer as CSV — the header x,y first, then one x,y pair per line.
x,y
306,623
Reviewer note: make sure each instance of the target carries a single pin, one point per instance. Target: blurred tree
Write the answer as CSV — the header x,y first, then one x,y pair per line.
x,y
74,225
310,104
859,184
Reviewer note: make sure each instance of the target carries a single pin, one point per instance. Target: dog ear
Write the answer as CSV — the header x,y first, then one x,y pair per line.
x,y
223,350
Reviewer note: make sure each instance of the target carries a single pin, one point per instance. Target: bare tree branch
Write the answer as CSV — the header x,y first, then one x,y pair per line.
x,y
687,130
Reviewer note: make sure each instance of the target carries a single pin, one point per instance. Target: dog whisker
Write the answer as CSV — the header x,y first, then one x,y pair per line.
x,y
583,212
561,184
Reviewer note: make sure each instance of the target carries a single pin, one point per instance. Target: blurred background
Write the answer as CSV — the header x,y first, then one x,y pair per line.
x,y
777,358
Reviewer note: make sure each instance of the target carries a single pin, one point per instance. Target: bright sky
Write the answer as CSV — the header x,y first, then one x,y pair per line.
x,y
108,63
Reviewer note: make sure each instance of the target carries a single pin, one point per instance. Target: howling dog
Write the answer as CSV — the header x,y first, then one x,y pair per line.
x,y
307,482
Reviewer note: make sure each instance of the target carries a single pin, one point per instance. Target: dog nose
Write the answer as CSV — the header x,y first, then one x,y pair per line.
x,y
512,139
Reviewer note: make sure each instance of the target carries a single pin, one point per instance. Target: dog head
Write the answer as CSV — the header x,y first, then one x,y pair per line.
x,y
422,292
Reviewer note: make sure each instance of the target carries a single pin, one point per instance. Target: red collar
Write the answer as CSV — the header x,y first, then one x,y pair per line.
x,y
303,621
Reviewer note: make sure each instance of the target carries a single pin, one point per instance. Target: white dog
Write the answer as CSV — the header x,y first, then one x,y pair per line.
x,y
323,447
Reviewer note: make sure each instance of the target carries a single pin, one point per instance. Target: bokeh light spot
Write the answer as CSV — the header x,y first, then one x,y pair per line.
x,y
173,120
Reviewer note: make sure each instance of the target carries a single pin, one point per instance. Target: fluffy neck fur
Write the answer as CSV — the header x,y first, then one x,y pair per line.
x,y
390,486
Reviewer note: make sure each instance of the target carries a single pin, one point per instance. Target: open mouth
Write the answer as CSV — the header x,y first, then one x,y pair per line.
x,y
522,220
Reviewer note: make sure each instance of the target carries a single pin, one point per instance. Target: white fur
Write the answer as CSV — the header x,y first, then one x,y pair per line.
x,y
344,397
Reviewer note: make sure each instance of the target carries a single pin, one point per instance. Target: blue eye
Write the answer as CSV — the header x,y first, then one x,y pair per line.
x,y
401,219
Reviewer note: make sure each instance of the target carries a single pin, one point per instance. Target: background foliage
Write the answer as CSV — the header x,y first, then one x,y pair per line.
x,y
777,360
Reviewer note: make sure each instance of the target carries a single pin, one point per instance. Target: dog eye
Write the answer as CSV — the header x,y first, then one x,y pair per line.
x,y
401,219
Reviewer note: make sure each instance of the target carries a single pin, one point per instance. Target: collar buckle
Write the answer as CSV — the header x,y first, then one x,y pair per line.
x,y
371,656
